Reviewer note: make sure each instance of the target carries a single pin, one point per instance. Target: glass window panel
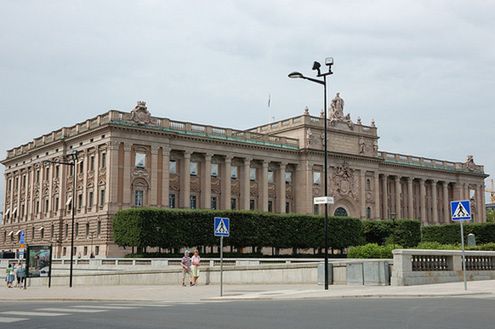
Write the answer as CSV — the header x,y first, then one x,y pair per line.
x,y
316,177
233,172
138,198
288,177
172,167
193,168
140,161
214,169
270,176
252,173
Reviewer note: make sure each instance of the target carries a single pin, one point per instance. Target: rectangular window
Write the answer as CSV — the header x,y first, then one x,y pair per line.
x,y
140,161
64,252
192,199
37,176
252,174
270,177
103,162
233,172
37,207
79,201
171,200
87,230
138,198
17,183
172,167
316,177
98,228
24,181
316,209
81,167
46,206
270,205
102,198
233,203
71,171
57,171
92,163
33,233
287,207
90,199
42,233
288,177
193,168
213,203
97,250
252,204
10,185
66,231
55,206
85,250
214,169
77,229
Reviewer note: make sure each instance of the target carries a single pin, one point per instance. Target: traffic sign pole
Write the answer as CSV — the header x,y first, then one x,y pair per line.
x,y
221,266
463,256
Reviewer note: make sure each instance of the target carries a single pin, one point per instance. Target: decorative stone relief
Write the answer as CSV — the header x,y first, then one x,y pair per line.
x,y
140,114
235,187
195,184
271,190
174,182
215,185
253,189
345,182
289,192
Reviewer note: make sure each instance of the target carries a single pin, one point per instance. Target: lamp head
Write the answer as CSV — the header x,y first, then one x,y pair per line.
x,y
296,75
329,61
316,67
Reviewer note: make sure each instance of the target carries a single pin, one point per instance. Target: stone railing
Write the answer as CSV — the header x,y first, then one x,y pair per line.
x,y
415,266
429,163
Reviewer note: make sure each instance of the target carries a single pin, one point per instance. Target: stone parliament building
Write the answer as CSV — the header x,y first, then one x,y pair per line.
x,y
132,159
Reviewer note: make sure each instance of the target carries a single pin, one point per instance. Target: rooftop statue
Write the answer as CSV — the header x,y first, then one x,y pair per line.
x,y
337,112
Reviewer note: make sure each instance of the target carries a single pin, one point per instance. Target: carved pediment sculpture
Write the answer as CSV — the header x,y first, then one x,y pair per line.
x,y
344,182
337,113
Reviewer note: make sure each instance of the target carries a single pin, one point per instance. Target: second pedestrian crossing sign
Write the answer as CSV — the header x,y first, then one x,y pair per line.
x,y
221,226
460,210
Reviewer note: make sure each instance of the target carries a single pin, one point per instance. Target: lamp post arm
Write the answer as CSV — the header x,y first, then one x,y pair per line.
x,y
321,82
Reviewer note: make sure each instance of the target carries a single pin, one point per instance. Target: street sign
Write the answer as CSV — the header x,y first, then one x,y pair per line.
x,y
323,200
460,210
22,240
221,226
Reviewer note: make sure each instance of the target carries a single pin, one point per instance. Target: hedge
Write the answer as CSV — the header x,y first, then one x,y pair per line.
x,y
451,233
404,232
175,228
372,250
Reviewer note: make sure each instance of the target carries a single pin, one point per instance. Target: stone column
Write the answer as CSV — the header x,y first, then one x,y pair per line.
x,y
264,186
281,188
398,192
410,201
227,186
377,195
185,187
245,184
154,176
434,199
40,197
206,182
446,204
362,175
166,176
482,201
422,200
127,175
386,213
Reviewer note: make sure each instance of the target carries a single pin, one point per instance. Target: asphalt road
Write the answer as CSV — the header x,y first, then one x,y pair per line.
x,y
419,313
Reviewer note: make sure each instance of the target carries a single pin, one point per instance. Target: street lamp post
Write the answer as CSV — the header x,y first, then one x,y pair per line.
x,y
72,161
297,75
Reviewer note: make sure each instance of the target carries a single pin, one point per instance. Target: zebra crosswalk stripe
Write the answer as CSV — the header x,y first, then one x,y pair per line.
x,y
72,310
11,320
141,305
98,307
33,313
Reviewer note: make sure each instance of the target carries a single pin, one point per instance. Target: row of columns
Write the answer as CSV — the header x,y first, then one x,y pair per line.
x,y
162,186
460,191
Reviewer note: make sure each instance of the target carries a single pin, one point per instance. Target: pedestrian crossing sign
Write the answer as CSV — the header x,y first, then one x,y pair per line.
x,y
460,210
221,226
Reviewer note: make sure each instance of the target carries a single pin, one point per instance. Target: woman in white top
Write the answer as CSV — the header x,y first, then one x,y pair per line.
x,y
195,260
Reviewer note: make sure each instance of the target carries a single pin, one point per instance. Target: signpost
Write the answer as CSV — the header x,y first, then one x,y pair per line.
x,y
22,244
221,228
461,211
326,200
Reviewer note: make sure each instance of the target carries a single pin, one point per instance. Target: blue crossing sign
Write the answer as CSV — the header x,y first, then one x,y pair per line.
x,y
221,226
460,210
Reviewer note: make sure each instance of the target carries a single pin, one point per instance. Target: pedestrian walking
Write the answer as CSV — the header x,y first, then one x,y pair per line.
x,y
195,260
186,268
20,274
9,276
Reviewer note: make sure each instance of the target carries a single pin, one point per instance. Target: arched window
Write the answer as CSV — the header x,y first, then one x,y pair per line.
x,y
340,212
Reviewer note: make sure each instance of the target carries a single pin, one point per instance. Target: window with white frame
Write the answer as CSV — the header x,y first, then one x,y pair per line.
x,y
140,161
214,169
252,174
172,167
316,177
193,168
233,172
288,177
270,176
138,198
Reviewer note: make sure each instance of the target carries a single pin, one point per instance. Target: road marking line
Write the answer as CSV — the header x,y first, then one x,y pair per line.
x,y
10,320
33,313
105,307
72,310
141,305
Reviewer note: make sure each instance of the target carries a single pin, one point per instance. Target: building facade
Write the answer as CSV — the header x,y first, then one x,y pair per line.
x,y
132,159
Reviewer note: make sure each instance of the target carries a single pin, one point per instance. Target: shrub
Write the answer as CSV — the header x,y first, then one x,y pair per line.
x,y
451,233
404,232
371,250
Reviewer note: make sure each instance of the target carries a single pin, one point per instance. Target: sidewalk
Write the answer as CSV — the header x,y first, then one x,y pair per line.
x,y
242,292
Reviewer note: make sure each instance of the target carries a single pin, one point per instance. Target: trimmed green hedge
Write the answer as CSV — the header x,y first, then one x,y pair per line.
x,y
372,250
403,232
175,228
451,233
